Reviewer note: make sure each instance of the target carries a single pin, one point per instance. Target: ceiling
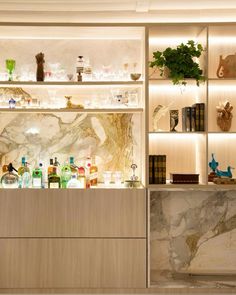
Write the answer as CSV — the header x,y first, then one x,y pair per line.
x,y
117,11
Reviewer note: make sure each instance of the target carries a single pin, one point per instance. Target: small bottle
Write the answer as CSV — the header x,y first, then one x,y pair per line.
x,y
12,103
65,175
93,174
10,179
37,178
80,64
81,177
73,182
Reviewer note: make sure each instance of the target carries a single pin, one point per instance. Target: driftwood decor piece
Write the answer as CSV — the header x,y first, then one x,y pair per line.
x,y
227,67
224,116
40,66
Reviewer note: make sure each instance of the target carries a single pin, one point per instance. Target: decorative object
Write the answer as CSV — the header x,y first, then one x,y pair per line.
x,y
226,173
179,62
174,119
10,65
133,181
107,177
40,66
219,180
70,105
227,67
224,116
213,165
135,76
12,103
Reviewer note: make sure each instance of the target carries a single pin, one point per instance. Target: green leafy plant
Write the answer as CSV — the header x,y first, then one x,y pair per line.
x,y
179,62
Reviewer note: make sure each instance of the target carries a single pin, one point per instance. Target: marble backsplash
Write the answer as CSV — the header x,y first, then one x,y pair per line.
x,y
192,232
111,138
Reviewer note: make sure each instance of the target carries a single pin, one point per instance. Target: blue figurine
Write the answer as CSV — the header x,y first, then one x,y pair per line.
x,y
213,164
227,173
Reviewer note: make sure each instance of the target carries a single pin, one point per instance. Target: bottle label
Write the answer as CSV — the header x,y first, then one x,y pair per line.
x,y
54,185
37,182
93,175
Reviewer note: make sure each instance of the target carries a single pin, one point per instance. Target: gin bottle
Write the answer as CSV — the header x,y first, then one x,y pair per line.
x,y
37,178
65,175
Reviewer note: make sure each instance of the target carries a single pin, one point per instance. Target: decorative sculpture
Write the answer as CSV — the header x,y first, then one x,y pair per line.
x,y
227,67
174,119
224,116
40,66
159,112
213,165
227,174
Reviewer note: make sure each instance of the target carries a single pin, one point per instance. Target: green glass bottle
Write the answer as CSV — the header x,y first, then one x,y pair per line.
x,y
54,180
65,175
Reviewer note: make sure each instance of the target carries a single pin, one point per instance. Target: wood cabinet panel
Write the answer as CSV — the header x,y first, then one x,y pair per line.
x,y
72,263
73,213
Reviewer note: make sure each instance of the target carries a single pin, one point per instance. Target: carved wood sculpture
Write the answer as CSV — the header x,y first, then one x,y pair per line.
x,y
227,67
40,66
224,116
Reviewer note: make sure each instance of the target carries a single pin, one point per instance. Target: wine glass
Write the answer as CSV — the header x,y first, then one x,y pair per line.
x,y
10,65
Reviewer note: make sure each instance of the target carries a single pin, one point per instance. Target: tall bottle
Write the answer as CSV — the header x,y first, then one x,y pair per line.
x,y
93,174
81,177
73,167
24,174
54,180
65,175
37,178
79,67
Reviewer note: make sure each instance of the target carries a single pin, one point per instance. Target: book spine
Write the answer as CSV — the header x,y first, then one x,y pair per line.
x,y
201,117
183,119
188,119
197,116
151,169
163,166
157,169
193,119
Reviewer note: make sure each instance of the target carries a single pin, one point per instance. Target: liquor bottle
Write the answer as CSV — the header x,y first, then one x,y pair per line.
x,y
54,180
73,182
24,174
65,175
41,167
10,179
37,178
93,174
73,167
79,67
81,177
50,167
87,171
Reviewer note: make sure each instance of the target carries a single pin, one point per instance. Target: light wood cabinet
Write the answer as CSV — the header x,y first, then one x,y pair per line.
x,y
72,263
73,213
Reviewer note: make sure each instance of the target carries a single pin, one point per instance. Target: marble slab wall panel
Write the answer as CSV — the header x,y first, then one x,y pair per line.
x,y
112,54
193,232
113,139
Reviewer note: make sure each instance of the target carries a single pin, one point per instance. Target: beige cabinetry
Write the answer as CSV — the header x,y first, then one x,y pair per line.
x,y
73,238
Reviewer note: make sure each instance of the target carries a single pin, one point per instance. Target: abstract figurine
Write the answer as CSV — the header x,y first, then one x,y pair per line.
x,y
213,164
40,66
224,116
227,173
174,119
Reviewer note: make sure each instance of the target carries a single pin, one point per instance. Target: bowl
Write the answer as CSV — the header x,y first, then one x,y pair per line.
x,y
135,76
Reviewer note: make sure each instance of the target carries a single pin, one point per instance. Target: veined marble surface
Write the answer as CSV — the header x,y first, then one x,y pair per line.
x,y
111,138
193,232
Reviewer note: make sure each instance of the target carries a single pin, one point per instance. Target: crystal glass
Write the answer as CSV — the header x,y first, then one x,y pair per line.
x,y
10,65
117,175
107,177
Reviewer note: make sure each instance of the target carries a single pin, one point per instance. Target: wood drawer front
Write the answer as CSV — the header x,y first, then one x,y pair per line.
x,y
72,263
73,213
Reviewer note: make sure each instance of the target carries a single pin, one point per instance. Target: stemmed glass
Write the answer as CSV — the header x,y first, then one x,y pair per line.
x,y
10,65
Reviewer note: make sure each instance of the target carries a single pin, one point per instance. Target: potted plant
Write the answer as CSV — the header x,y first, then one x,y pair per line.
x,y
179,62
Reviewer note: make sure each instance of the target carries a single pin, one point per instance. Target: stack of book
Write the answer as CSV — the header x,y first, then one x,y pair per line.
x,y
184,178
193,118
157,169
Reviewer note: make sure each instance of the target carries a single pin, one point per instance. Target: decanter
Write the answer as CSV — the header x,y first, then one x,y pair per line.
x,y
10,179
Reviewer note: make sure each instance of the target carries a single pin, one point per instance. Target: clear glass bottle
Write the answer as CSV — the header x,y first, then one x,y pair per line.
x,y
10,179
65,175
73,182
24,169
37,178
